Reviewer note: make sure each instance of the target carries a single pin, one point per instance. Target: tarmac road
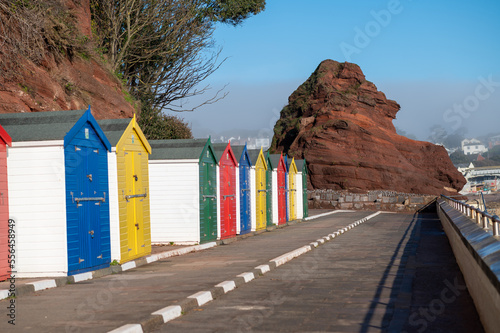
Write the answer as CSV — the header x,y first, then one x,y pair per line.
x,y
103,304
386,275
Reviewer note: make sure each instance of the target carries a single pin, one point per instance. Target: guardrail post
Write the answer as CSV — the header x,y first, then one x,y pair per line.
x,y
496,231
485,222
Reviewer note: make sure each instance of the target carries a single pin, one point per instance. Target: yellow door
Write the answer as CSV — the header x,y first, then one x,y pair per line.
x,y
293,195
135,194
260,180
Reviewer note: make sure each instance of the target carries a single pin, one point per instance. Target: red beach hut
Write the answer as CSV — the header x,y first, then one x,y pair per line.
x,y
279,180
5,141
227,189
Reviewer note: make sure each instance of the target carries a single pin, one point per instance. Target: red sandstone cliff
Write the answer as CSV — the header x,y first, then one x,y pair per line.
x,y
65,83
342,125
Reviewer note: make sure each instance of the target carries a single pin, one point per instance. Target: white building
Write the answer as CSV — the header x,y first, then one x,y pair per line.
x,y
473,146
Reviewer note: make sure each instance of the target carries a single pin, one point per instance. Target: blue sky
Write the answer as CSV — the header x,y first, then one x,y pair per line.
x,y
440,60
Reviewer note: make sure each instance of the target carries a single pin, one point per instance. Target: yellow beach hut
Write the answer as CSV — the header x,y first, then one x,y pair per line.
x,y
128,189
258,186
292,190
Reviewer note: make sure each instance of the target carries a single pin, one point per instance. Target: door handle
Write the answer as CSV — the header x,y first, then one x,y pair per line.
x,y
137,225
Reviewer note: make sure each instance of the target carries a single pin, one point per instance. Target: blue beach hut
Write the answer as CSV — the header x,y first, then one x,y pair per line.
x,y
58,163
244,221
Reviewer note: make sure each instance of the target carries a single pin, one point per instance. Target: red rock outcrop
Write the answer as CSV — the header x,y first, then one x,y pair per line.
x,y
67,83
342,125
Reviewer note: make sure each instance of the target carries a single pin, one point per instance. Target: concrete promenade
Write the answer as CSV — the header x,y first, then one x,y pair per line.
x,y
394,273
387,274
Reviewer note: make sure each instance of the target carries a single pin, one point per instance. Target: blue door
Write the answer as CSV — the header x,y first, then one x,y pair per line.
x,y
286,189
87,203
245,223
88,200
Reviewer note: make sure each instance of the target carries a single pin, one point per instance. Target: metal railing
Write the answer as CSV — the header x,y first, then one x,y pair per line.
x,y
484,219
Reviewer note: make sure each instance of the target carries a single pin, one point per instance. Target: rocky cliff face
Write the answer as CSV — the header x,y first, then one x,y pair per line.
x,y
342,125
66,83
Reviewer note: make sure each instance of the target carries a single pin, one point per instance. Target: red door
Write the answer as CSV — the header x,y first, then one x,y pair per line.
x,y
228,198
4,214
281,193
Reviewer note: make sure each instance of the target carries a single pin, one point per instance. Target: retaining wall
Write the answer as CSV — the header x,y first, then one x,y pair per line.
x,y
478,255
373,200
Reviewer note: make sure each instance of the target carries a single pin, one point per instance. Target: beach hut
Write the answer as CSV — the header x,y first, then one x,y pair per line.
x,y
292,190
58,192
269,190
128,189
5,141
287,193
302,209
258,186
244,216
183,181
279,188
226,191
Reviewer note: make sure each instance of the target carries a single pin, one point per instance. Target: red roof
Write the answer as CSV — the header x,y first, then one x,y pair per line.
x,y
5,136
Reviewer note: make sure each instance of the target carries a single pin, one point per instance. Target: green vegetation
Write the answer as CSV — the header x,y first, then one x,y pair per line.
x,y
157,48
157,125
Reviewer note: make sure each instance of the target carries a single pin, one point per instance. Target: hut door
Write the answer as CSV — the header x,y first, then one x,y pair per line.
x,y
245,225
88,200
208,202
4,215
260,180
269,197
135,194
228,201
304,194
224,178
281,198
293,197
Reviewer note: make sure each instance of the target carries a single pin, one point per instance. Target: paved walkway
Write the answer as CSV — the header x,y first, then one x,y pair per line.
x,y
103,304
379,276
387,275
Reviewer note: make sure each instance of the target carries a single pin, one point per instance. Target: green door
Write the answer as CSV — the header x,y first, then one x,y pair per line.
x,y
269,198
208,199
304,192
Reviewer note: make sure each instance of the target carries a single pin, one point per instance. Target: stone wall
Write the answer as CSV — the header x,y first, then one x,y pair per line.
x,y
372,200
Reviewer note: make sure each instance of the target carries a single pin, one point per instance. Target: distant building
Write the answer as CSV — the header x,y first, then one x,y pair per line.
x,y
481,176
257,143
473,146
494,141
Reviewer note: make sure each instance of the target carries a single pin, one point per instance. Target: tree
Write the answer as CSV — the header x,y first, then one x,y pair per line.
x,y
494,153
233,11
437,134
458,157
156,125
160,48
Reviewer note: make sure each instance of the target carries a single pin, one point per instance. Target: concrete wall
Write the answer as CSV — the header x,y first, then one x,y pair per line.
x,y
373,200
478,255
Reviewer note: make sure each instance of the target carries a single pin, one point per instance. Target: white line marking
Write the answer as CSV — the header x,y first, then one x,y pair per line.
x,y
129,328
263,268
128,265
227,286
169,313
247,276
82,277
202,297
43,284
